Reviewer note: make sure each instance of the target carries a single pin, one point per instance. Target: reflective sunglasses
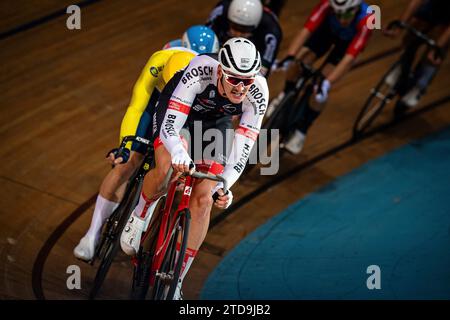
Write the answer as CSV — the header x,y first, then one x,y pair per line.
x,y
235,81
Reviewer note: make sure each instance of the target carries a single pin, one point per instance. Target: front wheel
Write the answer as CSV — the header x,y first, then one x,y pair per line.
x,y
382,94
111,242
167,276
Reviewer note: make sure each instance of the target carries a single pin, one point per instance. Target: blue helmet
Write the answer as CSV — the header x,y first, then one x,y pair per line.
x,y
200,39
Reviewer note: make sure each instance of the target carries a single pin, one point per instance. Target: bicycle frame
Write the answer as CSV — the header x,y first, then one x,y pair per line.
x,y
168,221
163,239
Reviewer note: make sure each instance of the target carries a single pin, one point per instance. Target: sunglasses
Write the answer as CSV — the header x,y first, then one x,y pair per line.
x,y
235,81
241,28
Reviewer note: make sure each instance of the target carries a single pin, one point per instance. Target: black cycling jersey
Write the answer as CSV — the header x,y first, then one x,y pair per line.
x,y
267,36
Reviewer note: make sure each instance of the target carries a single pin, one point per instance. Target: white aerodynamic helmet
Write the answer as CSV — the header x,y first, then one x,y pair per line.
x,y
240,57
341,6
245,12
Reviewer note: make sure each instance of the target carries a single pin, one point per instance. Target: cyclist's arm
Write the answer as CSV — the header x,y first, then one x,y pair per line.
x,y
356,47
273,35
442,42
410,10
316,18
142,92
215,16
341,69
444,39
246,133
179,107
298,42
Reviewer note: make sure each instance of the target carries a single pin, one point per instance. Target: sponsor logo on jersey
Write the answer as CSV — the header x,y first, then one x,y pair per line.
x,y
199,71
207,102
247,133
169,125
259,99
240,165
229,108
271,45
155,71
174,105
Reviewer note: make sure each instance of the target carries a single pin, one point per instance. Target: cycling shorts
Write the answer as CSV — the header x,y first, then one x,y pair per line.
x,y
321,41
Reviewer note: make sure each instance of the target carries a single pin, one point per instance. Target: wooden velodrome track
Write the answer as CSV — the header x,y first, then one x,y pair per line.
x,y
63,96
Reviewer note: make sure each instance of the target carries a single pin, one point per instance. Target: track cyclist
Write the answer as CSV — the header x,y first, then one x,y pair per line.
x,y
158,70
341,24
211,90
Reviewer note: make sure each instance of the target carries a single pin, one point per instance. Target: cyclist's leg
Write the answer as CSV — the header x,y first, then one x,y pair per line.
x,y
112,189
316,46
423,74
111,192
410,44
113,186
151,190
200,208
311,109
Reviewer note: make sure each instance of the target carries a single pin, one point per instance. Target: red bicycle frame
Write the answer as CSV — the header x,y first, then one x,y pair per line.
x,y
164,233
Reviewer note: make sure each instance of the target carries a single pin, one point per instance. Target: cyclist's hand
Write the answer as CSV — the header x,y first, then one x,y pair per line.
x,y
435,56
115,156
181,162
392,30
222,200
283,64
322,90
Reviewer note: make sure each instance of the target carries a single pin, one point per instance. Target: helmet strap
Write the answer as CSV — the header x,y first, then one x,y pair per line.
x,y
224,94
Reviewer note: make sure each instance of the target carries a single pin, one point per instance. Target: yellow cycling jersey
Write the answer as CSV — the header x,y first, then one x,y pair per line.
x,y
152,78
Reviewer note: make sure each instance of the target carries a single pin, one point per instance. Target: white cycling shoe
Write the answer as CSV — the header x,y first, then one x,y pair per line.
x,y
296,142
131,235
130,238
412,98
85,250
275,103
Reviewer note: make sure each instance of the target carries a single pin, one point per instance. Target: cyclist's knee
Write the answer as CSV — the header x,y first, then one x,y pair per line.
x,y
201,205
162,169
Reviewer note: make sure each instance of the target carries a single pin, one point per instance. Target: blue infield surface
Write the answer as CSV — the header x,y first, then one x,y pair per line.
x,y
393,212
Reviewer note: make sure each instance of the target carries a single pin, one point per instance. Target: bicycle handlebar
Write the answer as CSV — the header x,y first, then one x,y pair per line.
x,y
402,25
196,174
127,139
208,176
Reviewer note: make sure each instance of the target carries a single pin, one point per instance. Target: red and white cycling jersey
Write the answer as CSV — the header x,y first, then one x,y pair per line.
x,y
357,32
196,98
